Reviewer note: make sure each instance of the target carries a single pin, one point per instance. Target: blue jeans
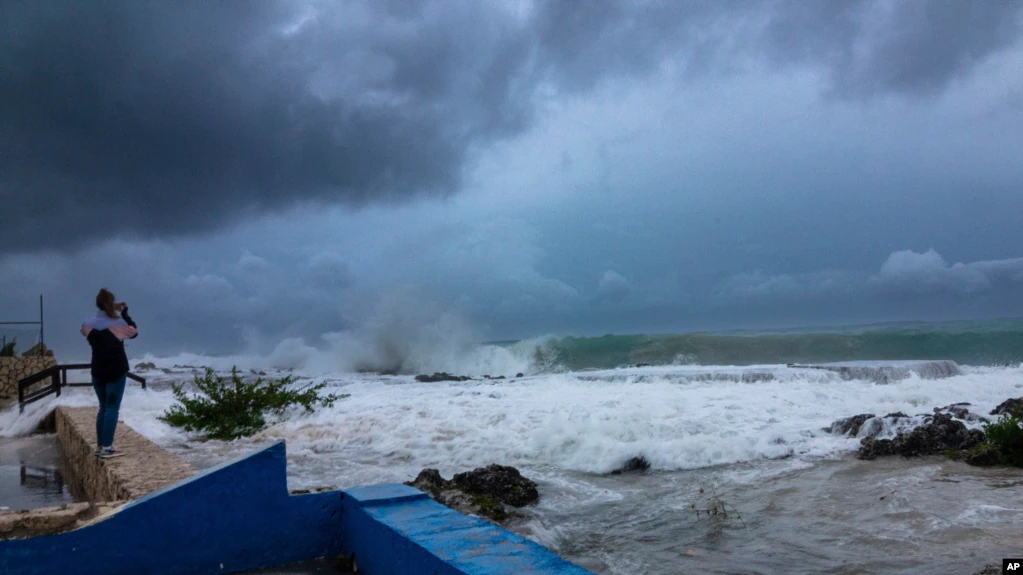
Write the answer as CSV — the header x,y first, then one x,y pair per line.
x,y
109,395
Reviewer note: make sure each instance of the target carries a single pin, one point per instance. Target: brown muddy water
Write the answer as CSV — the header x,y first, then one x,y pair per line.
x,y
843,517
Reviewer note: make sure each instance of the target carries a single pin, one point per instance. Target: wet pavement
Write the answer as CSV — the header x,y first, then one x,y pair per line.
x,y
31,473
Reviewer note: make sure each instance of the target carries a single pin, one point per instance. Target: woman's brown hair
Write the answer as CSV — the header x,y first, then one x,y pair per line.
x,y
105,302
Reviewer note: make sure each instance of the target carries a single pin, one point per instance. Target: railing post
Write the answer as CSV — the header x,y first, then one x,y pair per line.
x,y
55,382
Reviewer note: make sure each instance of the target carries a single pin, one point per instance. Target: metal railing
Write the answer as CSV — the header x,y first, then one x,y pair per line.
x,y
57,375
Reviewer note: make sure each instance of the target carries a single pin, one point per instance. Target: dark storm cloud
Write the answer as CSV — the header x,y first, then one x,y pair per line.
x,y
161,118
876,47
156,119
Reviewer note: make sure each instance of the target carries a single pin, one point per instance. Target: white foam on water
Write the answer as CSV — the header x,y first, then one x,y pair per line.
x,y
391,427
585,423
140,409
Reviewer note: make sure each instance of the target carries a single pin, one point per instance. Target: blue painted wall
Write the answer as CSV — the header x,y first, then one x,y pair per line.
x,y
398,530
235,517
239,516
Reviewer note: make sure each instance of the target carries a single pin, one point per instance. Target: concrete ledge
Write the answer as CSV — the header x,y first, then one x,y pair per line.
x,y
398,530
146,467
51,520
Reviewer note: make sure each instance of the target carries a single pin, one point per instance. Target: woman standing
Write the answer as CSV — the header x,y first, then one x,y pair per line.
x,y
106,333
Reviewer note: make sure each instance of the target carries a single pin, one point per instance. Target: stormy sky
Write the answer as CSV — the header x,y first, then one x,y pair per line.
x,y
244,173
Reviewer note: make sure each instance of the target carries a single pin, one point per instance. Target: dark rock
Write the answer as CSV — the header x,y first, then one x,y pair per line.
x,y
634,464
642,365
520,374
756,377
430,481
145,365
989,569
942,433
499,377
500,482
872,448
483,491
897,414
1009,406
984,455
959,411
442,376
850,425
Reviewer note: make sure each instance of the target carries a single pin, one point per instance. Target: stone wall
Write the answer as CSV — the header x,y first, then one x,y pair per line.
x,y
13,369
146,466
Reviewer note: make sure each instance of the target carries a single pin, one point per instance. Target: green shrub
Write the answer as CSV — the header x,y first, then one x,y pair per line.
x,y
235,408
1006,435
7,349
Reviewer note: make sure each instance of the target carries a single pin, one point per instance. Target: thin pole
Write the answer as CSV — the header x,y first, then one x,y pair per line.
x,y
41,319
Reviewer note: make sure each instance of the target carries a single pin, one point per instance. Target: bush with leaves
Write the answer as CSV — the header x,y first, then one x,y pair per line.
x,y
236,408
1006,436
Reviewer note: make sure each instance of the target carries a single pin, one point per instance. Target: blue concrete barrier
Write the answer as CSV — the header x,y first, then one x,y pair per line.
x,y
399,530
231,518
239,517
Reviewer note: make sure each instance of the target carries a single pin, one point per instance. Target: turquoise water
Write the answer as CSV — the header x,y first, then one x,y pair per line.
x,y
989,342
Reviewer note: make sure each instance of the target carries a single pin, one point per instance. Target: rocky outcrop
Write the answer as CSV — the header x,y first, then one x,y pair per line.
x,y
482,492
849,425
501,482
441,376
961,411
868,424
989,569
634,464
1009,406
941,434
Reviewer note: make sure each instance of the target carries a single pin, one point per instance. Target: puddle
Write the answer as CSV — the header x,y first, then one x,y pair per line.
x,y
32,473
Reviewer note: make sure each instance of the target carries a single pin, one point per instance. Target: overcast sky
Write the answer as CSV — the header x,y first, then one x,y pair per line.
x,y
244,172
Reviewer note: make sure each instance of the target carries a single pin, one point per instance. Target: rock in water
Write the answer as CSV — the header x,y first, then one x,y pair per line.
x,y
960,411
441,376
482,492
430,481
941,434
1009,406
500,482
985,455
634,464
850,425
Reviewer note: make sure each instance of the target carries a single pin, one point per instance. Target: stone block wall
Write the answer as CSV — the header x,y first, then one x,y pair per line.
x,y
147,467
13,369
